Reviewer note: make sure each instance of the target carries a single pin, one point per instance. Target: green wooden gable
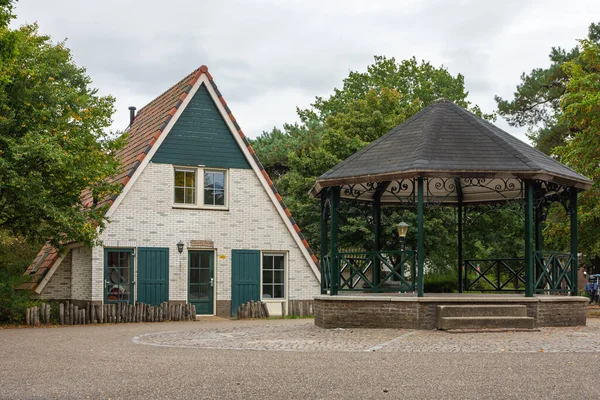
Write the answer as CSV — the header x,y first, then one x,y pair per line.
x,y
201,137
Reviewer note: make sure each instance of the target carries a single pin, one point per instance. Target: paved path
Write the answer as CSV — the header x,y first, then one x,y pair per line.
x,y
218,359
304,336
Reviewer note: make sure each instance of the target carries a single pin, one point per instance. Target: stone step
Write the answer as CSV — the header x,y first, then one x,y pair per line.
x,y
487,322
482,310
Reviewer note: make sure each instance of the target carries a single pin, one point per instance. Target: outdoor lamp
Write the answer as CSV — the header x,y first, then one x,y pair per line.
x,y
402,230
180,247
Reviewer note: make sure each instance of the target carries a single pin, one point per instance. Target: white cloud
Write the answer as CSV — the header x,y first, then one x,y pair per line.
x,y
270,56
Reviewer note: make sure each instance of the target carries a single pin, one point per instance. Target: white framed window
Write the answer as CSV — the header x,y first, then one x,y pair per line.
x,y
200,188
185,186
273,276
214,187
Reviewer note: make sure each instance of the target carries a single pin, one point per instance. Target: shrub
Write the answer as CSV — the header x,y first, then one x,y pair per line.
x,y
15,255
13,302
441,282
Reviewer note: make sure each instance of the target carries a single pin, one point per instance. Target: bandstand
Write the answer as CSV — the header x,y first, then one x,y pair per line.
x,y
445,156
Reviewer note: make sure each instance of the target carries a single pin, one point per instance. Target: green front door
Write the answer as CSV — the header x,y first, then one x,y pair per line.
x,y
245,277
201,281
118,275
153,275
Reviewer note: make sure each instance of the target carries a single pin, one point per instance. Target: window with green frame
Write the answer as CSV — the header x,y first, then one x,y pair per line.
x,y
118,275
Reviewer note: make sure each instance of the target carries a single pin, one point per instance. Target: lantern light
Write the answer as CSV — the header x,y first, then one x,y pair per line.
x,y
402,230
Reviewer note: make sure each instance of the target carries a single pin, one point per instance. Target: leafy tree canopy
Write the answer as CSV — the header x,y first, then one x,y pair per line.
x,y
53,140
419,83
581,151
536,102
368,105
560,106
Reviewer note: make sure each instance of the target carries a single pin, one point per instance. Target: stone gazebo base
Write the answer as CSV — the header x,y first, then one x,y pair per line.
x,y
409,312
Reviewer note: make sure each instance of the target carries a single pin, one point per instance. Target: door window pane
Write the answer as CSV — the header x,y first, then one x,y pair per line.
x,y
273,276
194,275
204,260
194,291
203,295
204,276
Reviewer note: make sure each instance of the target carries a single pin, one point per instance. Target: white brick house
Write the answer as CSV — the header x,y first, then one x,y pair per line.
x,y
198,219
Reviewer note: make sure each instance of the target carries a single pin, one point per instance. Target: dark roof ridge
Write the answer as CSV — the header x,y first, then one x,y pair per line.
x,y
430,130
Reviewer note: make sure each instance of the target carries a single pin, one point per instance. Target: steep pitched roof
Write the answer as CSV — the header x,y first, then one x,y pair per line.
x,y
446,140
148,126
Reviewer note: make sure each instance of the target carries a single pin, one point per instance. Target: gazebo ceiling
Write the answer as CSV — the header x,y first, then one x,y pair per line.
x,y
458,154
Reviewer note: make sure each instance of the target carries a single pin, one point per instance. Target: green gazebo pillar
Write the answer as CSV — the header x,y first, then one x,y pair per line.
x,y
574,264
529,260
459,211
377,227
334,260
324,249
420,247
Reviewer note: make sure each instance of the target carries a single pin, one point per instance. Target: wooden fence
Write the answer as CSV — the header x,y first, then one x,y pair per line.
x,y
301,308
70,314
253,309
258,309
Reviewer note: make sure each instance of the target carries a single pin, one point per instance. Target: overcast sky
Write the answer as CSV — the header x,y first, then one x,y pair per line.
x,y
270,56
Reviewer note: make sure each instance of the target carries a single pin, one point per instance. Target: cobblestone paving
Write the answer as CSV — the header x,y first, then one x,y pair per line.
x,y
304,336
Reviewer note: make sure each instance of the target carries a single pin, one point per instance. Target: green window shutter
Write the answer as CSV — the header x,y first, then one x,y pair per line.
x,y
245,277
153,275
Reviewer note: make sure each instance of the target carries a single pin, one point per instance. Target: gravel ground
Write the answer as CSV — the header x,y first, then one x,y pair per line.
x,y
292,359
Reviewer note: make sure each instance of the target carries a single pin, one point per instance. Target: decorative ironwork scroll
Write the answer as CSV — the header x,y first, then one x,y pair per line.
x,y
357,191
548,193
439,190
402,191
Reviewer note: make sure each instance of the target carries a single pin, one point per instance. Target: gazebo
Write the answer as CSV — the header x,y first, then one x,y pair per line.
x,y
446,156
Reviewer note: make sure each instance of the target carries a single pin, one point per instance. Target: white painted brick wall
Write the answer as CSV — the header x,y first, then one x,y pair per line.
x,y
59,285
81,274
146,217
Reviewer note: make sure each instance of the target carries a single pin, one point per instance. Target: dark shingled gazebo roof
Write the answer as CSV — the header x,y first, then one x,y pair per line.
x,y
446,141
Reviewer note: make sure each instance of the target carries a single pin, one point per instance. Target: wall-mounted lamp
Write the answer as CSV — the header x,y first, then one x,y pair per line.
x,y
180,247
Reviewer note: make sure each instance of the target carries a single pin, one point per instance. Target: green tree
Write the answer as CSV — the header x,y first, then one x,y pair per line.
x,y
557,104
581,113
419,83
53,140
368,106
537,100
